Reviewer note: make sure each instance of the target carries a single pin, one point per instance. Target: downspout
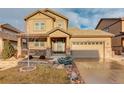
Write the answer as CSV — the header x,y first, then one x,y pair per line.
x,y
103,51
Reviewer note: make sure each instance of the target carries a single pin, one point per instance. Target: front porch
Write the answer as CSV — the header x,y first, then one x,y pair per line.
x,y
48,46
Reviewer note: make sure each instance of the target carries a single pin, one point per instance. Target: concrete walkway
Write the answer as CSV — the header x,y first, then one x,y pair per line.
x,y
6,64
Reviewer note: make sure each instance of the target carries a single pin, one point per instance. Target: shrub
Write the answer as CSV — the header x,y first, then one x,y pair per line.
x,y
8,50
42,57
65,60
30,57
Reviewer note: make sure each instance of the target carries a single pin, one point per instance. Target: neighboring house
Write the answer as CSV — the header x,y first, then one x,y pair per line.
x,y
8,32
116,27
48,32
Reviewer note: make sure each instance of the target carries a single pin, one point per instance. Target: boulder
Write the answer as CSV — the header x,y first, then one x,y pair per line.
x,y
60,66
55,65
74,75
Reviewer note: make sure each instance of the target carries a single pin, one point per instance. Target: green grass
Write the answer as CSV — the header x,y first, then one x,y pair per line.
x,y
42,75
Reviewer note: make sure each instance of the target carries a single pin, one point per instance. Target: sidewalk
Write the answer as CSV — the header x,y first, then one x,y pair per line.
x,y
119,59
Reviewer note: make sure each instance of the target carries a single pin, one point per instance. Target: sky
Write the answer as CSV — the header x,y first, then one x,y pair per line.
x,y
83,18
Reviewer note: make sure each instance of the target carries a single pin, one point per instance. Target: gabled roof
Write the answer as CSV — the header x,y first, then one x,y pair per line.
x,y
10,27
89,33
58,14
60,29
118,19
38,11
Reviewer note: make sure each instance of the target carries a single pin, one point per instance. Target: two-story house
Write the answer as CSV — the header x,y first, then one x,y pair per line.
x,y
48,32
116,27
8,32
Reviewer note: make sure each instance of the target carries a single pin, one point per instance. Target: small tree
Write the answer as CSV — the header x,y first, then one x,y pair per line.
x,y
8,50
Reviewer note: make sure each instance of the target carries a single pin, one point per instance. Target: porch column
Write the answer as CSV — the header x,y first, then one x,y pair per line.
x,y
1,45
19,47
68,46
48,52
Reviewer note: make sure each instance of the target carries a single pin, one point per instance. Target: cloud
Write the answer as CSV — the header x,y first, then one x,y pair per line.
x,y
89,17
84,18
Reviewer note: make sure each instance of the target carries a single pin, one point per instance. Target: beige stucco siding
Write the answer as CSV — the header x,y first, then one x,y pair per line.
x,y
122,42
59,19
122,25
39,18
1,44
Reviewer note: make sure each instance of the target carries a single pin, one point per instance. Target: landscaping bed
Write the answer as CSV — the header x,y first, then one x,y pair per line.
x,y
60,70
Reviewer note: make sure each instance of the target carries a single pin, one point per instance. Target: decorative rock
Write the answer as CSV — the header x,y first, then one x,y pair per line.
x,y
68,66
55,60
44,62
51,61
55,65
74,76
27,69
61,66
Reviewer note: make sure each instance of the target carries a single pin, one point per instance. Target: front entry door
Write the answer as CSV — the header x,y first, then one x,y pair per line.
x,y
58,45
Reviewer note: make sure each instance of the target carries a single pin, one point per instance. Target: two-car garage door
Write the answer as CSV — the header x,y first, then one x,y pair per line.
x,y
88,49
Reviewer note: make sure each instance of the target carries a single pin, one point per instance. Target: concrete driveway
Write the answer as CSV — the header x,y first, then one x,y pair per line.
x,y
94,71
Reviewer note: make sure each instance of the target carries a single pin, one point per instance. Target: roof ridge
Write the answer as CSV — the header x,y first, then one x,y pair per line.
x,y
35,12
50,10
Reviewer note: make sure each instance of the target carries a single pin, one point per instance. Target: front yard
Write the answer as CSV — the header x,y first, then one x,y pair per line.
x,y
43,74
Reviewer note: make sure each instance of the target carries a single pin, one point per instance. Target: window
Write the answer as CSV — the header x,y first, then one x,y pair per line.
x,y
59,24
97,43
89,43
36,44
93,43
78,43
81,43
39,43
85,43
39,26
101,43
74,43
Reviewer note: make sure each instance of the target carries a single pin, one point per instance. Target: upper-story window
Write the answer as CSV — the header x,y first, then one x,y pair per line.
x,y
39,26
59,24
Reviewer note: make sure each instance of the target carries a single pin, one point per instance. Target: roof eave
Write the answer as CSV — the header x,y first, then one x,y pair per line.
x,y
55,13
34,13
107,19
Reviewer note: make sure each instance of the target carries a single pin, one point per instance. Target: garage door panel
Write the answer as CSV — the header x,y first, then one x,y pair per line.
x,y
85,54
88,51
